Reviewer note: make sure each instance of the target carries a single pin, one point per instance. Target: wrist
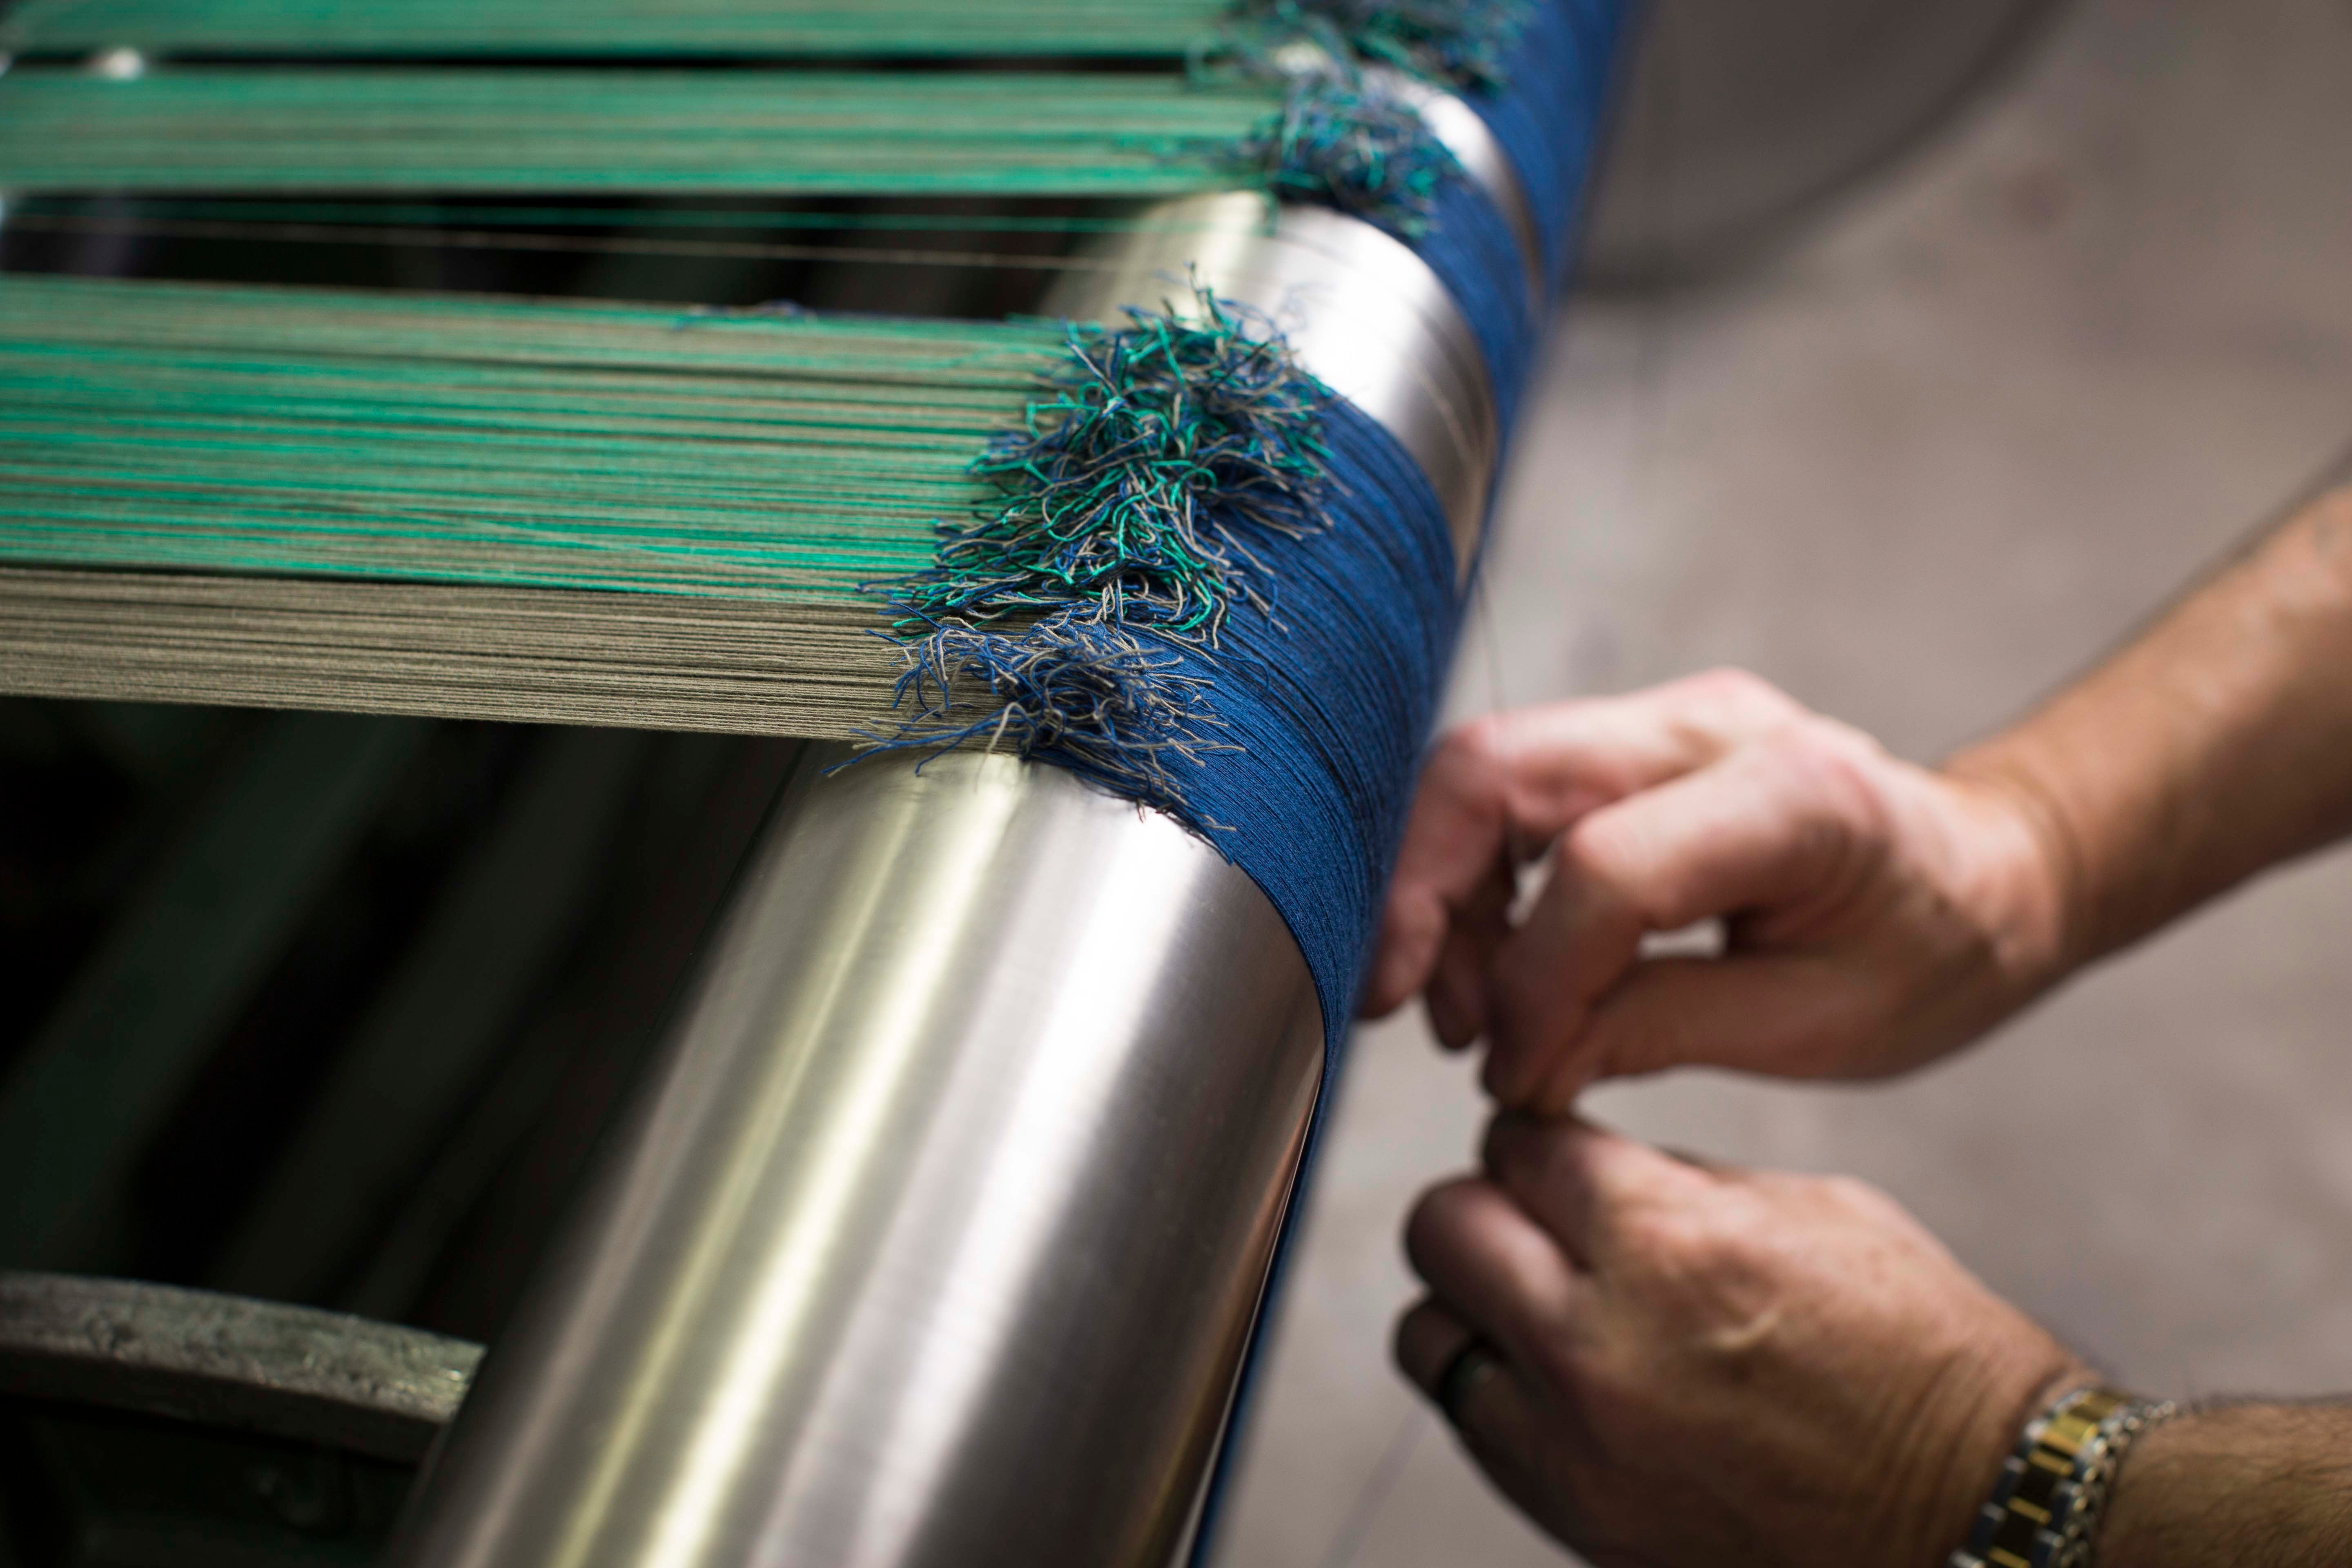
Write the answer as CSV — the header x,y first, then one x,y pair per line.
x,y
1991,1405
2034,882
2054,1489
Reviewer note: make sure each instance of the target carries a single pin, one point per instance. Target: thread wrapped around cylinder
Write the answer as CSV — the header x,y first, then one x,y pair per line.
x,y
942,1234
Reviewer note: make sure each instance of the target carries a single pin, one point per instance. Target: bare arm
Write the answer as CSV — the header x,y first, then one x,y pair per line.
x,y
2218,744
2240,1486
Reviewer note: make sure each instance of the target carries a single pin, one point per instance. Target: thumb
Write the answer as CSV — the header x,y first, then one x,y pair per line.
x,y
1778,826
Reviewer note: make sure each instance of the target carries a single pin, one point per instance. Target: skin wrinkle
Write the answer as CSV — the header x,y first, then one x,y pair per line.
x,y
1691,1293
1762,1329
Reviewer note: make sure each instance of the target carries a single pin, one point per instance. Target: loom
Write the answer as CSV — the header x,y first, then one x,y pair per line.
x,y
940,1229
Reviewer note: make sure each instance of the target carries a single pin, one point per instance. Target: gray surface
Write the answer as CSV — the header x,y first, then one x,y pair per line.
x,y
226,1363
938,1233
1941,455
1738,119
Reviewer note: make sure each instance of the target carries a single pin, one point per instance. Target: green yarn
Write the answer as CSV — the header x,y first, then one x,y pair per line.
x,y
940,218
1351,146
750,454
786,134
805,28
1459,44
1133,505
1132,488
674,132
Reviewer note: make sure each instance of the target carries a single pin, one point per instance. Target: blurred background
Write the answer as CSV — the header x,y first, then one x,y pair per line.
x,y
1924,350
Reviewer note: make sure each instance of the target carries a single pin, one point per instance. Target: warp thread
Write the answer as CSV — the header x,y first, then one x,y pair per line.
x,y
1344,140
1556,80
1209,585
1129,515
1458,44
1345,143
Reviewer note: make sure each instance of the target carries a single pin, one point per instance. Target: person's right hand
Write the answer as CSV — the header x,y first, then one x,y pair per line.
x,y
1694,1366
1875,914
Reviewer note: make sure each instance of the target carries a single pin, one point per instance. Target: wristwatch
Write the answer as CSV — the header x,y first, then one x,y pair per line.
x,y
2045,1509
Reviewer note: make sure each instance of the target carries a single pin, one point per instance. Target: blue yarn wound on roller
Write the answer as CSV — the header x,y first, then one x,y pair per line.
x,y
1336,691
1329,696
1209,585
1547,117
1472,252
1351,146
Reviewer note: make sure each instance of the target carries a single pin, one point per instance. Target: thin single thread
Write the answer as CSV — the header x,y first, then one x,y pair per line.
x,y
1356,1526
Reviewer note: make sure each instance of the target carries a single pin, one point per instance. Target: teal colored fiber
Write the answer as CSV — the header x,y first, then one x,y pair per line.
x,y
1133,486
805,28
1460,44
1353,147
879,133
444,215
212,428
1133,506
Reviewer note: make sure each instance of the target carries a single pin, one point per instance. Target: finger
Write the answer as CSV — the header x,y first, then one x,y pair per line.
x,y
1512,782
1792,1015
1497,1270
1575,1179
1778,826
1500,1417
1494,1411
1457,990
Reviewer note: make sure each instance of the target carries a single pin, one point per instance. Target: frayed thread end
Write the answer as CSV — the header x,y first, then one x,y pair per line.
x,y
1353,146
1123,529
1461,44
1109,705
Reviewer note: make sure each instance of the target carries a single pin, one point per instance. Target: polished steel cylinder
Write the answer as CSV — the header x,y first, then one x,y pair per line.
x,y
942,1229
937,1237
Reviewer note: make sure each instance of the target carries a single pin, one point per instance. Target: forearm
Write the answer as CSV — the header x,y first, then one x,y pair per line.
x,y
2240,1485
2216,744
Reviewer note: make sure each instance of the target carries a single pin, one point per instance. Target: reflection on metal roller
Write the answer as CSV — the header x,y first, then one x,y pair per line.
x,y
940,1235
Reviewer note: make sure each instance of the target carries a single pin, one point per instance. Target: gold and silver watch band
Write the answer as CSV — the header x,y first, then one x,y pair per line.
x,y
2045,1509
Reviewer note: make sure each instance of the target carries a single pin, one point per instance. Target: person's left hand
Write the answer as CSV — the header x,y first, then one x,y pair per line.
x,y
1701,1366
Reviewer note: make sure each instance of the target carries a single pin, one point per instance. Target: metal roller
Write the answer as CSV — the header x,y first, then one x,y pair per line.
x,y
939,1236
1357,307
941,1230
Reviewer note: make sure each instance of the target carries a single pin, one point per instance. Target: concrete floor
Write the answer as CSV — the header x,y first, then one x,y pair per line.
x,y
1917,469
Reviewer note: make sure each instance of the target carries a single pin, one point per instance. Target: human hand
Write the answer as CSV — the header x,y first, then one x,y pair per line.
x,y
1876,914
1699,1366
